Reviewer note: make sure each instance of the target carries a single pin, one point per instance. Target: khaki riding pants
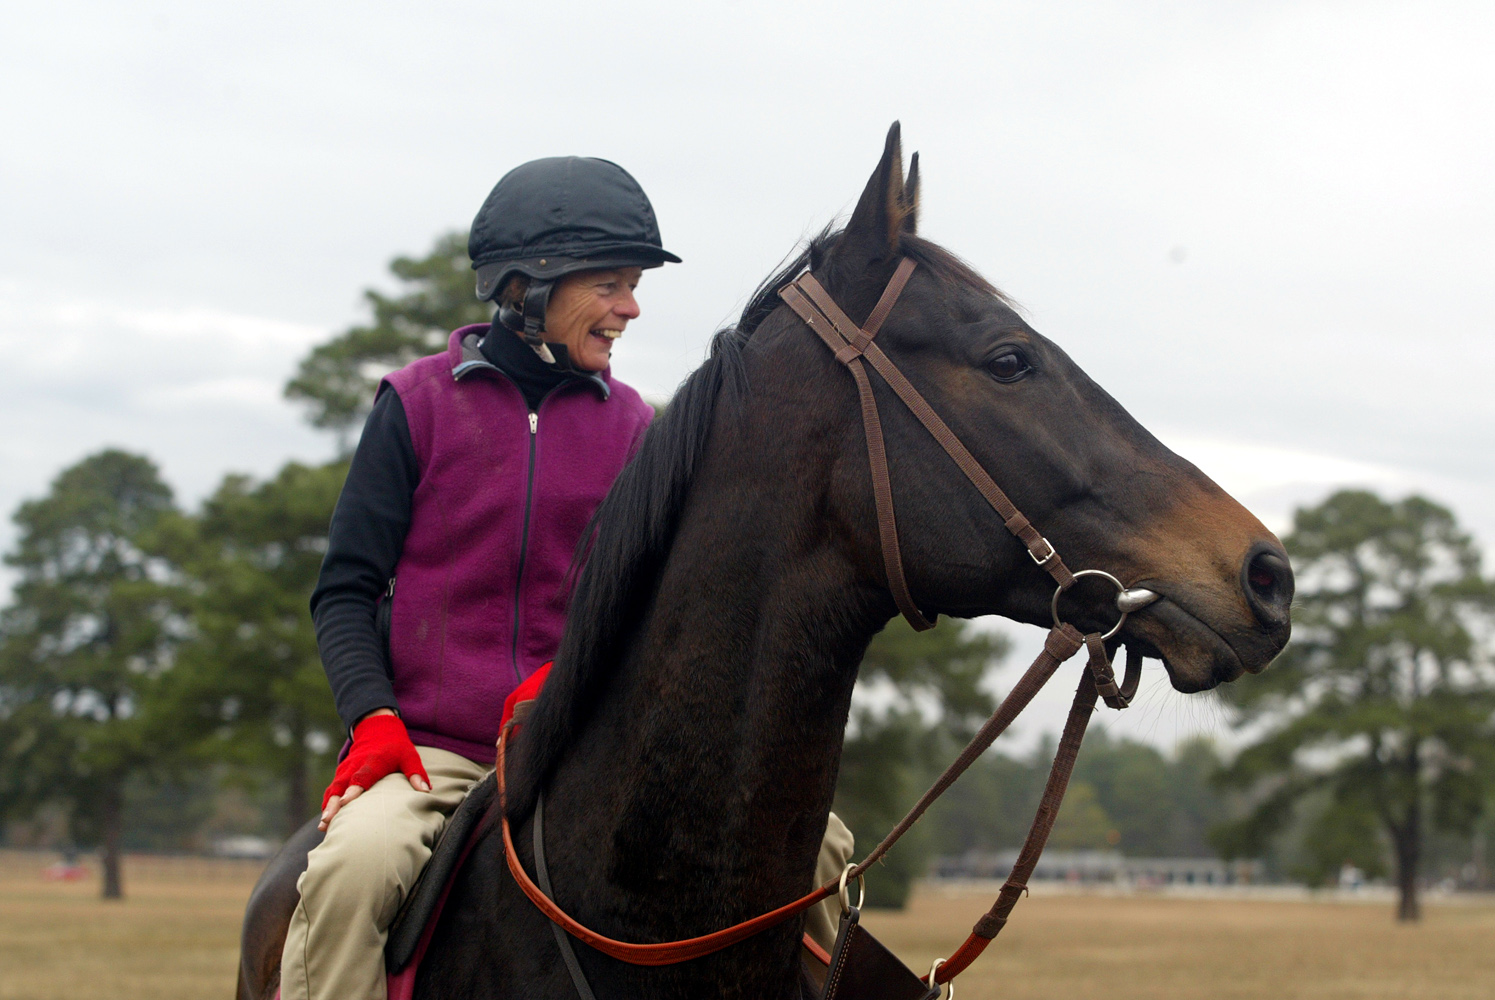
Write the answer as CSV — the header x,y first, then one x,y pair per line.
x,y
375,848
356,879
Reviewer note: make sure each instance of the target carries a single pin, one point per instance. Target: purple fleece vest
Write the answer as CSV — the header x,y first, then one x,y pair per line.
x,y
480,595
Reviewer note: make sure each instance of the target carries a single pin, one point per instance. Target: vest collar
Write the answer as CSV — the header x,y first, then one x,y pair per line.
x,y
467,357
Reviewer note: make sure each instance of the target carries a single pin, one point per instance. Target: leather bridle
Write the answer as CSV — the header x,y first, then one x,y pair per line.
x,y
855,348
852,346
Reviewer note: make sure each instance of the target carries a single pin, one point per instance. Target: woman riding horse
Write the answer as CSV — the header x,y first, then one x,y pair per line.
x,y
445,580
686,747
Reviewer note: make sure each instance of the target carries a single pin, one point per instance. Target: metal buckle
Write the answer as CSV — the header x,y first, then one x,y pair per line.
x,y
1048,558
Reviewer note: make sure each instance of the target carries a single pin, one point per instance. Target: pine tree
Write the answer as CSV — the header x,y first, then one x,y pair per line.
x,y
337,379
249,686
84,648
1382,704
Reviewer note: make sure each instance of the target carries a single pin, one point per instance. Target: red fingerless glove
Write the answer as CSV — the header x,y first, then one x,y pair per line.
x,y
381,746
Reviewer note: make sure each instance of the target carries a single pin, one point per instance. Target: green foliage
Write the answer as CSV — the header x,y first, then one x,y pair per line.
x,y
1342,832
249,687
883,771
1384,699
1154,804
943,667
991,805
1123,795
891,753
168,813
84,649
1159,807
337,379
1083,824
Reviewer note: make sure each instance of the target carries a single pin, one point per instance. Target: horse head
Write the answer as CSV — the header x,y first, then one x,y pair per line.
x,y
1103,490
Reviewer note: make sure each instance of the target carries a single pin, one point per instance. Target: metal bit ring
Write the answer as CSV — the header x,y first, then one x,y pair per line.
x,y
1120,589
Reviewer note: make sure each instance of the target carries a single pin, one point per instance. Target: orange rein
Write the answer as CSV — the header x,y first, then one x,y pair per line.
x,y
665,952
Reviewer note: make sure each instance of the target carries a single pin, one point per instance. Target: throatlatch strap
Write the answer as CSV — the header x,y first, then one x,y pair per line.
x,y
877,458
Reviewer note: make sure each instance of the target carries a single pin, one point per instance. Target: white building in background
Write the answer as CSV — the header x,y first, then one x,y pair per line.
x,y
1100,868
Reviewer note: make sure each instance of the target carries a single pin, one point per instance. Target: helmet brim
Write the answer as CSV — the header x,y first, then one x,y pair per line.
x,y
492,276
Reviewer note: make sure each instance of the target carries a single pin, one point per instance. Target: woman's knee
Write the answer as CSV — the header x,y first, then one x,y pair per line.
x,y
368,851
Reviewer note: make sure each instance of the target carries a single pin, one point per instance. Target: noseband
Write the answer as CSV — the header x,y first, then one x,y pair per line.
x,y
853,346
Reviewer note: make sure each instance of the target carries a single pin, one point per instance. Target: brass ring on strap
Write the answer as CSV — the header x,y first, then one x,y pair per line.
x,y
1120,589
846,896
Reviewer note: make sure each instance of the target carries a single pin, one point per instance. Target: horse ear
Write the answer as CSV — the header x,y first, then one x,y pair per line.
x,y
882,213
911,197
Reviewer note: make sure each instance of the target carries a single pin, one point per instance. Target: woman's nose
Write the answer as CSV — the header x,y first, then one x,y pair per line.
x,y
627,307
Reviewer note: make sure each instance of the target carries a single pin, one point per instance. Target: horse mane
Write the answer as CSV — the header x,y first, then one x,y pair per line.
x,y
630,535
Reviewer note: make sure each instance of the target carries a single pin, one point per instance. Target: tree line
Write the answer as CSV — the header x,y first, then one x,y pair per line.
x,y
159,675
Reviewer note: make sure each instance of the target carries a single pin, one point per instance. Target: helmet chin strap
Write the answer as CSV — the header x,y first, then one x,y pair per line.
x,y
529,323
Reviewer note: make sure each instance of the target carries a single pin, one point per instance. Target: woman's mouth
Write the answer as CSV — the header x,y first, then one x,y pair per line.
x,y
607,334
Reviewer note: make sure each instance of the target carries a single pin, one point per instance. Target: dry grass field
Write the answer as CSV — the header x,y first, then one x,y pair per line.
x,y
175,937
1136,947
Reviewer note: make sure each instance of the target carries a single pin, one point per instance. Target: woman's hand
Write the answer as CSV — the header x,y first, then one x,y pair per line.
x,y
381,746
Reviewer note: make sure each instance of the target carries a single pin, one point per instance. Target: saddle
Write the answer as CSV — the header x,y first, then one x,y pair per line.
x,y
862,968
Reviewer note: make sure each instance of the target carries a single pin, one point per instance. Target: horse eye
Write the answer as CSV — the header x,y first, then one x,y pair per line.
x,y
1009,366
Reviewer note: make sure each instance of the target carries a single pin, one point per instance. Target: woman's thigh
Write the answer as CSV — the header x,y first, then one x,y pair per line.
x,y
378,843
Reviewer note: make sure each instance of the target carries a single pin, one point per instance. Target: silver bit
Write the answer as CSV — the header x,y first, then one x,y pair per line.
x,y
1135,599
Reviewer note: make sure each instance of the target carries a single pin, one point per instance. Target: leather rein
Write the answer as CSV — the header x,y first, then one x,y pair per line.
x,y
854,347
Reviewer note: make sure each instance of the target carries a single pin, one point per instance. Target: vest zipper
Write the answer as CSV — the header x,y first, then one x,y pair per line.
x,y
529,496
529,488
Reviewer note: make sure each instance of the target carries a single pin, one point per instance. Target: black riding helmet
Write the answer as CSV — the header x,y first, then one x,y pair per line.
x,y
550,217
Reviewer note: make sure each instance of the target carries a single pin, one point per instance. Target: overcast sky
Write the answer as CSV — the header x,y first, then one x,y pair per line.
x,y
1267,228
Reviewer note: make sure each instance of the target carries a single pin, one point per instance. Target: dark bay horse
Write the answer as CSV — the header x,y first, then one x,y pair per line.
x,y
688,740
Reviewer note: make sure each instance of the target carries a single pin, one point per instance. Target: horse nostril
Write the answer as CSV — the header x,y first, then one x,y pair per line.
x,y
1269,582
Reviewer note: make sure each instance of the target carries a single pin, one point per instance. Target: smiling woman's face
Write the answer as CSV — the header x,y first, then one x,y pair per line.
x,y
588,311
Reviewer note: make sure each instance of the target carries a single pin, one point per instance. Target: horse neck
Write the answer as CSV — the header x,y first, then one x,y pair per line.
x,y
715,751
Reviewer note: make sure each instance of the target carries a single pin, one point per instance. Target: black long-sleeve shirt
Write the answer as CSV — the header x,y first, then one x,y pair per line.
x,y
368,530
